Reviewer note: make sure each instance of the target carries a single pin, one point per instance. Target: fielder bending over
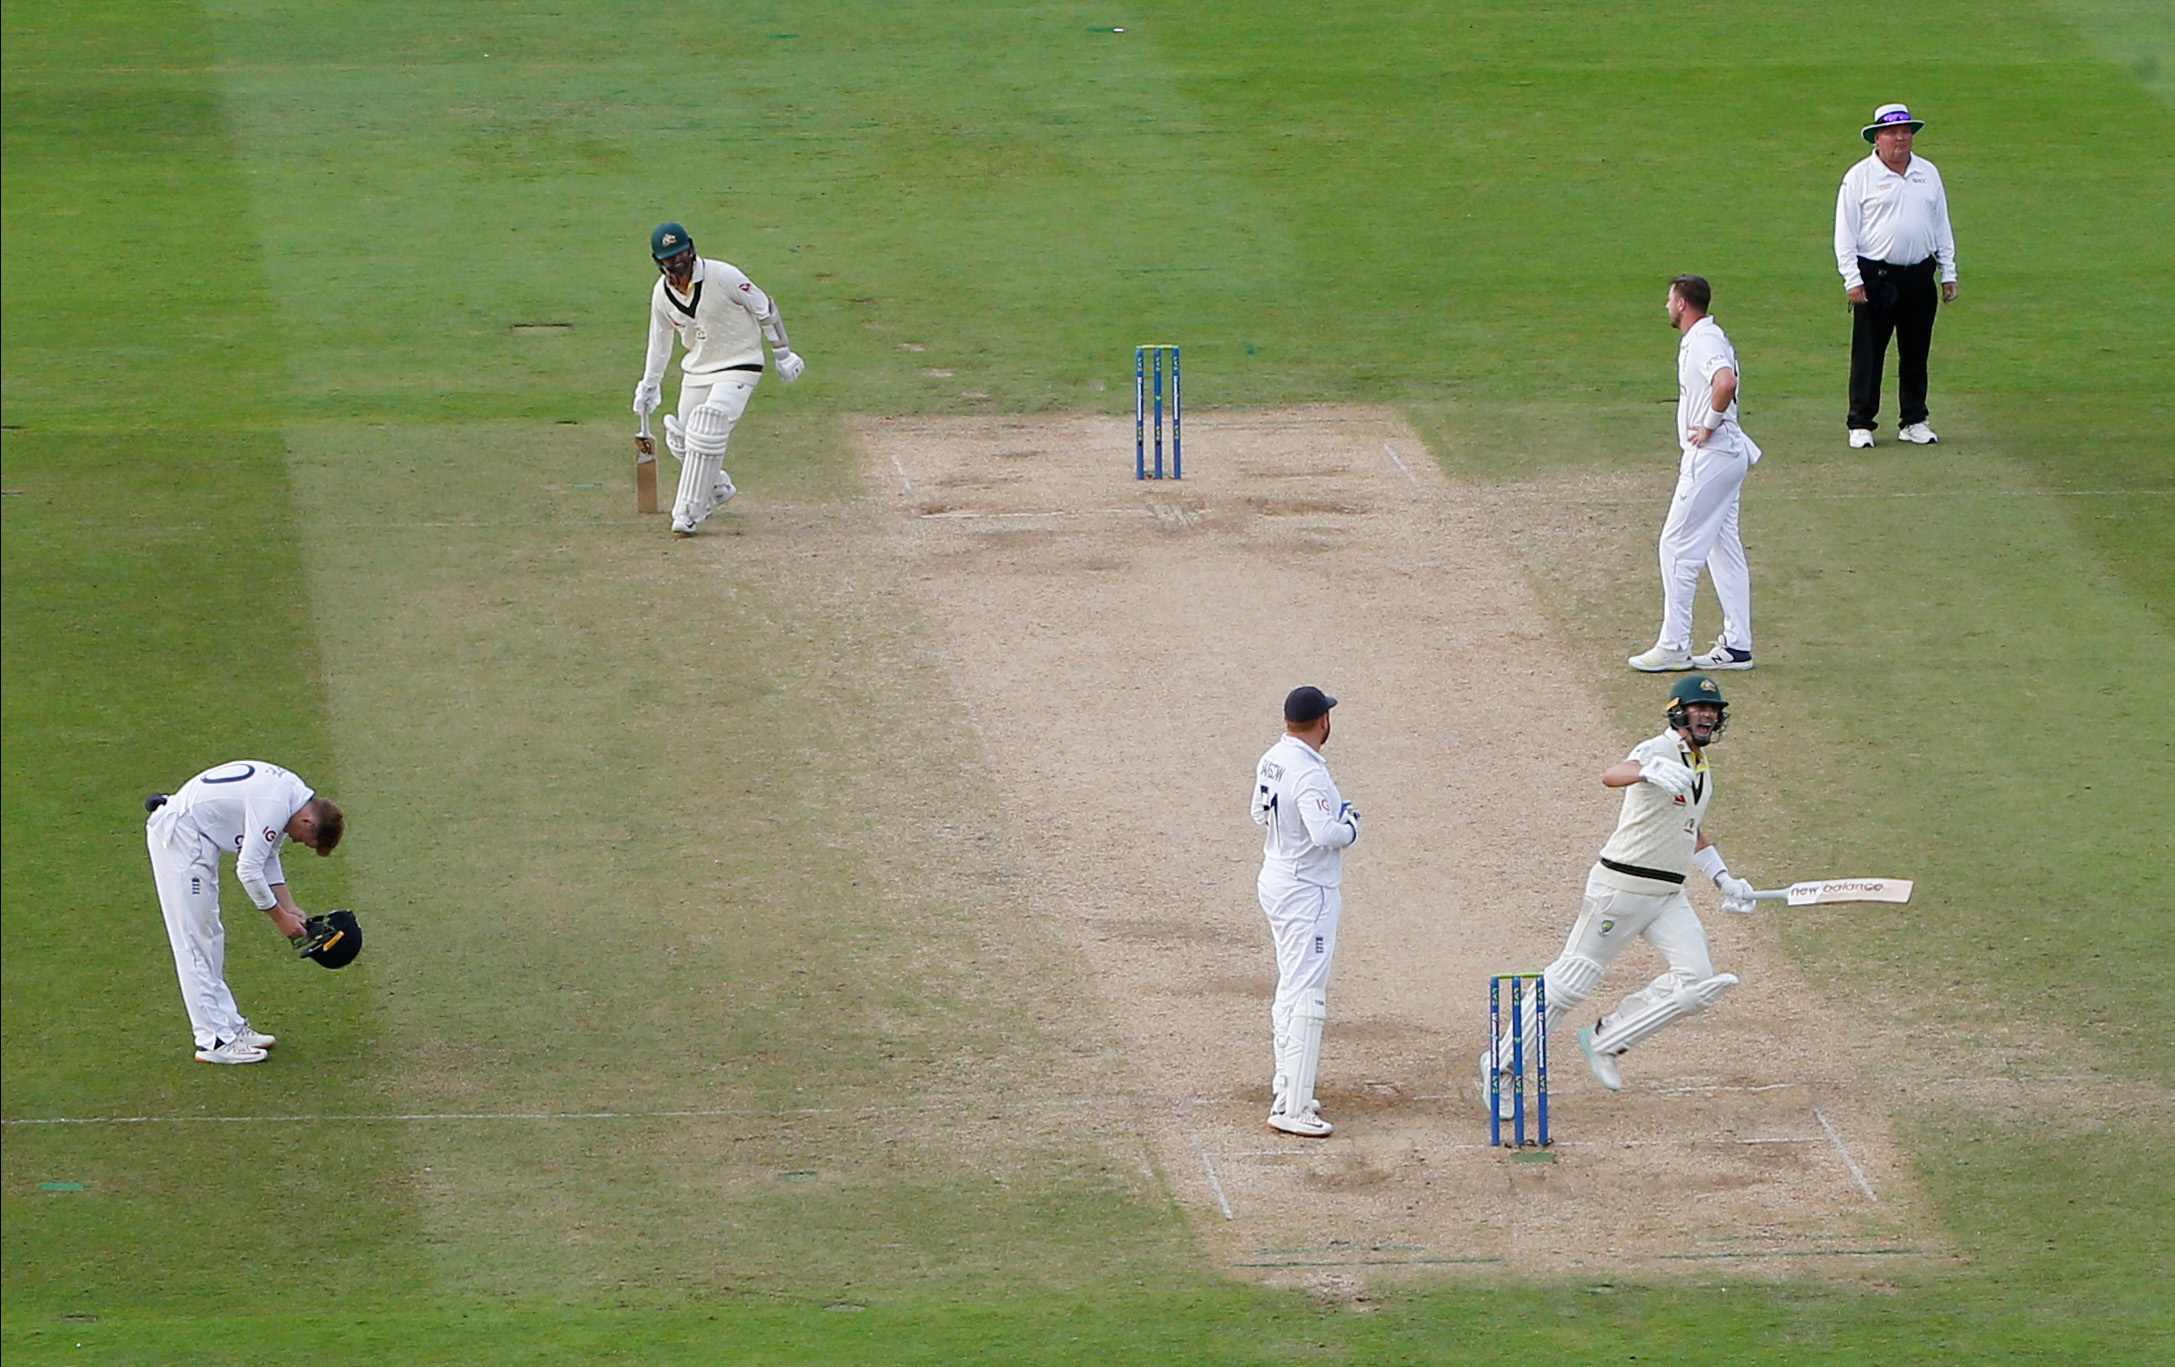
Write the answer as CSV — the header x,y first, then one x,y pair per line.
x,y
1302,871
247,809
722,320
1636,891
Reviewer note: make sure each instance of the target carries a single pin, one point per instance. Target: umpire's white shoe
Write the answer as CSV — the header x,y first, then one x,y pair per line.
x,y
1604,1066
255,1039
231,1051
1861,439
1659,661
1917,434
1722,657
1307,1123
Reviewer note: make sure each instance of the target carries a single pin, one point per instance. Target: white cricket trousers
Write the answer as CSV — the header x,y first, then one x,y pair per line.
x,y
1701,533
1609,919
726,393
185,866
1303,921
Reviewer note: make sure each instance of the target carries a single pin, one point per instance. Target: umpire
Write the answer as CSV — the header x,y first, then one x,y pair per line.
x,y
1891,235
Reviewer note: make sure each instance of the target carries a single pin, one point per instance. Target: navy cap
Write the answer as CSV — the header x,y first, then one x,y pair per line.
x,y
1306,705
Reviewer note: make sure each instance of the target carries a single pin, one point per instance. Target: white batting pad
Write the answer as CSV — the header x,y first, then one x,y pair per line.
x,y
708,429
697,495
1303,1048
1688,1000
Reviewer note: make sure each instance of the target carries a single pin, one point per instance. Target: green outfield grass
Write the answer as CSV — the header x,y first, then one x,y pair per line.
x,y
287,477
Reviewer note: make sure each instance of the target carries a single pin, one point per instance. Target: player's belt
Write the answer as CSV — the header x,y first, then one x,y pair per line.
x,y
1635,871
756,366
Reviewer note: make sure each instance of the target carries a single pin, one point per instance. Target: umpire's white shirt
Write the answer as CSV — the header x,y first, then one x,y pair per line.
x,y
1702,352
1898,218
720,323
240,809
1306,818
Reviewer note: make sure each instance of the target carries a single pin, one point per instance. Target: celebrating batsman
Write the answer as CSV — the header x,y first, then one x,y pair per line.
x,y
1636,891
722,319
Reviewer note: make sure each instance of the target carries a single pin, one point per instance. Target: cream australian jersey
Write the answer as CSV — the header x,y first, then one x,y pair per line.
x,y
1655,831
1309,822
240,809
719,321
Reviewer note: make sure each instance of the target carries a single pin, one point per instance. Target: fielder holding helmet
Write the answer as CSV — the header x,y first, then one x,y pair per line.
x,y
1636,890
248,809
722,319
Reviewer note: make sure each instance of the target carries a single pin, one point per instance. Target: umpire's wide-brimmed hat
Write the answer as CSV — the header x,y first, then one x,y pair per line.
x,y
1891,116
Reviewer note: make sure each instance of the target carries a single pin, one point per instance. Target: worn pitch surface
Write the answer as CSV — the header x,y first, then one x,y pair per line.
x,y
1123,646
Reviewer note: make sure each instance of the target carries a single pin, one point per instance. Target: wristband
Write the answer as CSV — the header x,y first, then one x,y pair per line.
x,y
1713,421
1709,862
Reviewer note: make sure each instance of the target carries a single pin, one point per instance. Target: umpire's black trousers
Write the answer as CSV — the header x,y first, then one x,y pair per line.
x,y
1900,300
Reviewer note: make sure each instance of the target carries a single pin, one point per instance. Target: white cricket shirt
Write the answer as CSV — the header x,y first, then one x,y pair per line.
x,y
719,322
1298,802
1654,830
242,809
1703,350
1900,219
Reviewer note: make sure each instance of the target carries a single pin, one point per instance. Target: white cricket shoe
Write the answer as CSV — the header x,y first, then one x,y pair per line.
x,y
722,490
681,526
1659,661
1861,439
1604,1066
1918,434
231,1051
255,1039
1722,657
1307,1123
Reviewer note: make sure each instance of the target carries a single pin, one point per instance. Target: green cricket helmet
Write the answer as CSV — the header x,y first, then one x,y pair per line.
x,y
1694,688
668,240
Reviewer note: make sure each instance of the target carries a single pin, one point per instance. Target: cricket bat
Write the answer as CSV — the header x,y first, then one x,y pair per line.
x,y
1840,890
645,470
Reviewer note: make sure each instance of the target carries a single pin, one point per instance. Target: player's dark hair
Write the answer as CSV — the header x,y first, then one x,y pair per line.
x,y
331,825
1694,290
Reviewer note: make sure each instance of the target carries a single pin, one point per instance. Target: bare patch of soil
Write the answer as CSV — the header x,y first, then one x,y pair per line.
x,y
1123,646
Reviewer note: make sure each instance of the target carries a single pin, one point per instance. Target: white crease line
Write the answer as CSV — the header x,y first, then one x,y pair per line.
x,y
1214,1182
1401,464
901,468
1486,496
1632,1144
1851,1163
966,512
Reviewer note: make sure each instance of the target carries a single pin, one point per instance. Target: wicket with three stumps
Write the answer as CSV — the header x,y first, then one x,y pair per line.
x,y
1518,1054
1148,360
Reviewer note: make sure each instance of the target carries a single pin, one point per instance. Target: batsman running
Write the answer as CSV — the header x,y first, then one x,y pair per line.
x,y
1636,891
722,320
